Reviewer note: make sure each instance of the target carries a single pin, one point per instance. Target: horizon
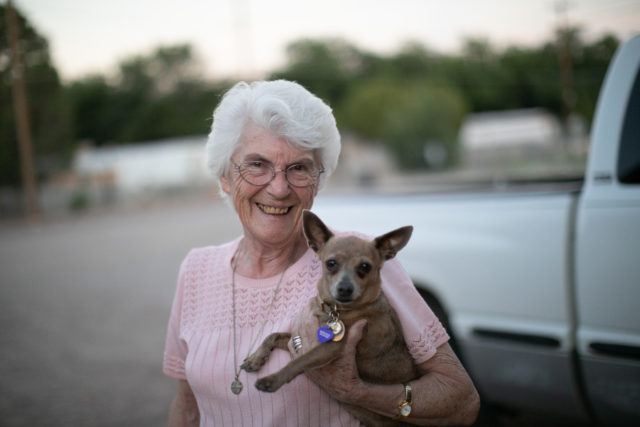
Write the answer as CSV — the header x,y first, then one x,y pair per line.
x,y
241,38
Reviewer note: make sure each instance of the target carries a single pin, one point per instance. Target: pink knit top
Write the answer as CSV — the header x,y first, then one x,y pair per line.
x,y
199,346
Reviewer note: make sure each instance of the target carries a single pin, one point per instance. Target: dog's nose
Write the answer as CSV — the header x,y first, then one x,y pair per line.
x,y
345,290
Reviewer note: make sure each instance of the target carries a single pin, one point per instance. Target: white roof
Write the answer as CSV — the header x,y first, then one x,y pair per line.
x,y
508,128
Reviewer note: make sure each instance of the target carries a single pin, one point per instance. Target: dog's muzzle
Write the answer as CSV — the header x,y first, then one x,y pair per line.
x,y
345,291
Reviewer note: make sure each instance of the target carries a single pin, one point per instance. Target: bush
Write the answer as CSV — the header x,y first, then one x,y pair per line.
x,y
405,116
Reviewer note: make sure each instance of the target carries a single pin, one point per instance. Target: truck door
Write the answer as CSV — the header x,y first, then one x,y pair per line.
x,y
608,249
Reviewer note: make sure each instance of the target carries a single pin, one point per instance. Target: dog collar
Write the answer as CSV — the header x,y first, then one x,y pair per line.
x,y
326,307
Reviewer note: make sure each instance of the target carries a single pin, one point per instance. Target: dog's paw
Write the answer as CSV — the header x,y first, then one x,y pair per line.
x,y
253,364
268,384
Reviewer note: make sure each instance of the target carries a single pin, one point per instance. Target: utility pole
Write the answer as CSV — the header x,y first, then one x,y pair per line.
x,y
564,59
22,114
242,34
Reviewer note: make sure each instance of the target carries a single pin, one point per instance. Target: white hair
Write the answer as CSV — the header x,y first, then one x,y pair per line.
x,y
285,108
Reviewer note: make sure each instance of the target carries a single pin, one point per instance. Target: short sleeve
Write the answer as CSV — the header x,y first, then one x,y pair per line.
x,y
175,350
422,330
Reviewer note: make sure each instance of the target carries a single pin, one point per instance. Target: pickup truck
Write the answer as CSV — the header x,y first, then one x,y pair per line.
x,y
539,289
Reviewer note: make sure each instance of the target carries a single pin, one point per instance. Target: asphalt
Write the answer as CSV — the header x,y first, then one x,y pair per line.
x,y
84,304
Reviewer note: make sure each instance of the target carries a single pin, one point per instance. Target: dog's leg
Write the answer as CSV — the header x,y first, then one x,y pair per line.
x,y
259,357
316,357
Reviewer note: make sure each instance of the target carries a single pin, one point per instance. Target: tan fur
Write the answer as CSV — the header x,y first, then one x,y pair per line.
x,y
382,355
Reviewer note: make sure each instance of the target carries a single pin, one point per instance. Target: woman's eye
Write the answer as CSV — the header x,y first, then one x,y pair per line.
x,y
256,167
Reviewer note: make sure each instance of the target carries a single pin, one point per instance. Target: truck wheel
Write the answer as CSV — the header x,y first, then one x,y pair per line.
x,y
439,311
490,415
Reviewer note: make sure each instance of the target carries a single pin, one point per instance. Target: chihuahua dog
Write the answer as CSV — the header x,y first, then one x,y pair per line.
x,y
349,290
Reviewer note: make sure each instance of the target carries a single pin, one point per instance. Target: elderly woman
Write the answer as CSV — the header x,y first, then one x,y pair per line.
x,y
272,147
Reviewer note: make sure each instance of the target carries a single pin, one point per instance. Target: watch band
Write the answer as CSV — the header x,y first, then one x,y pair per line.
x,y
404,408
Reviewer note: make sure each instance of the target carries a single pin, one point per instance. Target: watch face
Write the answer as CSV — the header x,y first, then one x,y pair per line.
x,y
405,410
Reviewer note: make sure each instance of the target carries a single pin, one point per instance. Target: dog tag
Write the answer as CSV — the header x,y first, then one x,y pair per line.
x,y
325,334
337,326
339,336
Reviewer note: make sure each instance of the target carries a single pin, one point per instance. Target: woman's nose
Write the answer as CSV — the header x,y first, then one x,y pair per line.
x,y
279,186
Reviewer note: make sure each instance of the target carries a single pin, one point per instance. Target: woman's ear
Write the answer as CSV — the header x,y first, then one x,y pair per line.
x,y
225,184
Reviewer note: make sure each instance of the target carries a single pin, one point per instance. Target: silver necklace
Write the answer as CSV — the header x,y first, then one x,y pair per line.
x,y
236,385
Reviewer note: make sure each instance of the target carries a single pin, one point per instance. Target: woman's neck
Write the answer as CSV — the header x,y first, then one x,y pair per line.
x,y
257,260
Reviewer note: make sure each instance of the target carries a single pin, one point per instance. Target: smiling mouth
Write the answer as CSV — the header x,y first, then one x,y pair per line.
x,y
272,210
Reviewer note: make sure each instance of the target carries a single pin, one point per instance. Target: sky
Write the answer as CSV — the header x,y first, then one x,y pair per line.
x,y
247,38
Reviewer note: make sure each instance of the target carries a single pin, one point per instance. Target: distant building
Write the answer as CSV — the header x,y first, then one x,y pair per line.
x,y
142,167
492,136
362,163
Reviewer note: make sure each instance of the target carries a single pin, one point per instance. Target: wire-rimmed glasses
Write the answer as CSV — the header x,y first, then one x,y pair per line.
x,y
257,172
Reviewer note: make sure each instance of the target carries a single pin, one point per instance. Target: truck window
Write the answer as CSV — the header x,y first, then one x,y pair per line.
x,y
629,154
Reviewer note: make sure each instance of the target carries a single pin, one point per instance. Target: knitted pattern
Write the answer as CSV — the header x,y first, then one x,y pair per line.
x,y
200,345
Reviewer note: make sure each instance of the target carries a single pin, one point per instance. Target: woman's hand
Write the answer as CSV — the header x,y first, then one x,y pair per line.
x,y
339,378
184,408
443,395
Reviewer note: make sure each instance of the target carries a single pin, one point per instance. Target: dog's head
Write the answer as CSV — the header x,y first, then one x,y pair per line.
x,y
351,265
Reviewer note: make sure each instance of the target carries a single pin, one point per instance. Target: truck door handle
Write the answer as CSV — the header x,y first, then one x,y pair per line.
x,y
538,340
616,350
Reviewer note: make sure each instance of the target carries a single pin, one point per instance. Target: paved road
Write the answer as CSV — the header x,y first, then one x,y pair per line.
x,y
84,304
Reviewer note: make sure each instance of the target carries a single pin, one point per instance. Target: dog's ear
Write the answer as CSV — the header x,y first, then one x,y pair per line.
x,y
390,244
315,231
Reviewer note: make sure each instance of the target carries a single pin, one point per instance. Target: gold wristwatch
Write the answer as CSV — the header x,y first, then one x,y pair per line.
x,y
405,406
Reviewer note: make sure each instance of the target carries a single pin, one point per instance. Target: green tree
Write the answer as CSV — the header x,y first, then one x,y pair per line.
x,y
92,100
326,67
378,97
153,96
405,116
412,61
590,67
48,112
366,106
424,114
478,74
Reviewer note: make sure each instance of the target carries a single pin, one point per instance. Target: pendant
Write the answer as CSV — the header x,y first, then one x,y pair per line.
x,y
236,386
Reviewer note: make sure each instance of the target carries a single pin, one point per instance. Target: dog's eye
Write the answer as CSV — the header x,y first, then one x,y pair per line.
x,y
332,265
363,269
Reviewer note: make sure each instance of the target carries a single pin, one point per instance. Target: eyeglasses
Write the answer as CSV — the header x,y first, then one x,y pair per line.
x,y
257,172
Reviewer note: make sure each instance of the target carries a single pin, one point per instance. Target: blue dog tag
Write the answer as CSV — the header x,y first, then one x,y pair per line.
x,y
325,334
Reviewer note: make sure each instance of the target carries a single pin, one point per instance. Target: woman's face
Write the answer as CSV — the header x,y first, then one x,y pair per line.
x,y
270,214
